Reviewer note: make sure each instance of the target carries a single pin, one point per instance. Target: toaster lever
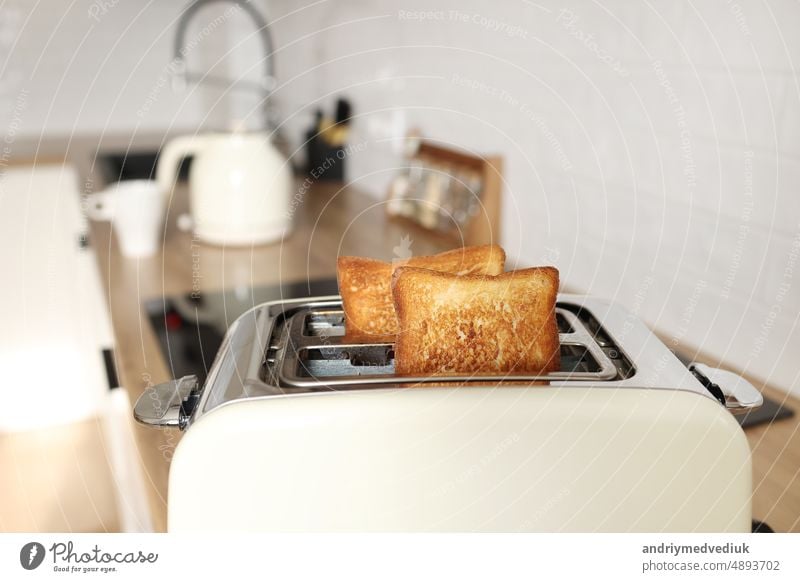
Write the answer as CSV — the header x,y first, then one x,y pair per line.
x,y
168,404
740,395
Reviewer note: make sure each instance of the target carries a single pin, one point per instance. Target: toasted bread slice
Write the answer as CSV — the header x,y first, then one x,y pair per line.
x,y
366,286
476,325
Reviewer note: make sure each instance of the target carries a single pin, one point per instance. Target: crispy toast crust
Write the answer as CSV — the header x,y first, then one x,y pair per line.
x,y
472,324
365,286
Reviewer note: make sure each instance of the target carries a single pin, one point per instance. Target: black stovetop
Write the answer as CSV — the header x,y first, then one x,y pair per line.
x,y
190,328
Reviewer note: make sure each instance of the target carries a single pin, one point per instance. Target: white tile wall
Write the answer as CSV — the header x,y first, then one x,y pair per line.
x,y
101,66
660,186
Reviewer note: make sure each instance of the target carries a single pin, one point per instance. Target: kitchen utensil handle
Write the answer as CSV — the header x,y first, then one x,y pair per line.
x,y
170,156
740,395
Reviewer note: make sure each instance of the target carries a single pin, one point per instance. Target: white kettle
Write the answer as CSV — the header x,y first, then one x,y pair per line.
x,y
239,186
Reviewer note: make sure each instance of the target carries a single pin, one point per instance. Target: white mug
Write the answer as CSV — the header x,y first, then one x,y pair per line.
x,y
136,208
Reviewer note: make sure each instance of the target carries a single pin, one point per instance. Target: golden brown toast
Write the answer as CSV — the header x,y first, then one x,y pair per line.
x,y
476,324
366,286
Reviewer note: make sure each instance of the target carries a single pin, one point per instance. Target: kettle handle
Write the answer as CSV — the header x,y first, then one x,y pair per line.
x,y
170,157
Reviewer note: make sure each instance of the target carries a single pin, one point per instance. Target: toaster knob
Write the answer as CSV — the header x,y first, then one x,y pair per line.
x,y
168,404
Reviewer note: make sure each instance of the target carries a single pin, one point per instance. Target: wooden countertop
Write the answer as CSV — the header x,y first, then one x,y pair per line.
x,y
333,221
776,467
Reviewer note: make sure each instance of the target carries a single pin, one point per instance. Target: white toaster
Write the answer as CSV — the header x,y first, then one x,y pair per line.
x,y
297,430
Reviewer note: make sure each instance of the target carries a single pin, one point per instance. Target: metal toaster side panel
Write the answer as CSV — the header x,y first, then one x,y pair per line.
x,y
465,459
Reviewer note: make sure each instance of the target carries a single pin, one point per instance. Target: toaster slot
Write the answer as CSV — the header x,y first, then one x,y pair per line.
x,y
563,324
365,360
576,359
593,327
324,323
368,355
379,360
316,355
598,334
372,355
